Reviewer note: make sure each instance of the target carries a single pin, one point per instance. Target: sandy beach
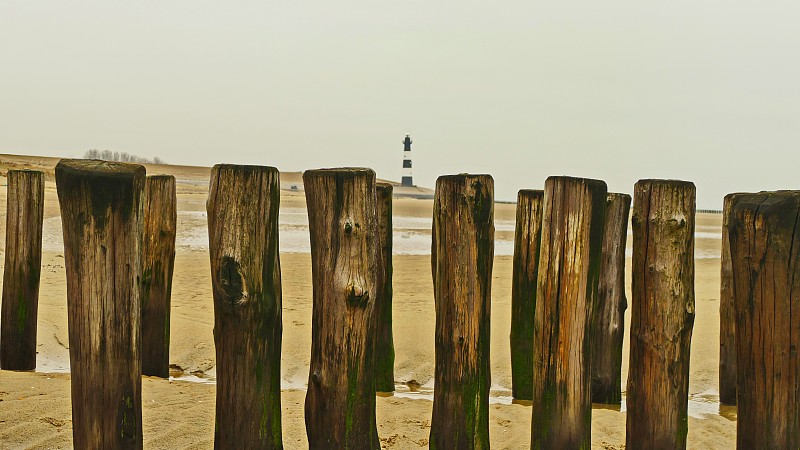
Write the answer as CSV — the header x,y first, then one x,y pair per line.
x,y
179,412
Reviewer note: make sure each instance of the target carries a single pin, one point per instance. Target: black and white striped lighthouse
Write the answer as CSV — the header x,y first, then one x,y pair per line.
x,y
406,180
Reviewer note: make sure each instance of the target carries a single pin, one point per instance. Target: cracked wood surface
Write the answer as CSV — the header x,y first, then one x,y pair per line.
x,y
101,211
525,269
765,253
662,314
462,253
242,207
342,218
158,262
727,315
569,262
23,260
611,303
384,345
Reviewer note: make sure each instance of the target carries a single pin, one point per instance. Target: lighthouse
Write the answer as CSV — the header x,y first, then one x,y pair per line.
x,y
406,180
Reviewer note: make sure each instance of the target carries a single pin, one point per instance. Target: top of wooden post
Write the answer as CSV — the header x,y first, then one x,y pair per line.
x,y
98,169
659,182
338,171
727,201
463,177
161,177
578,180
25,176
107,180
732,194
764,202
243,168
384,186
620,195
26,171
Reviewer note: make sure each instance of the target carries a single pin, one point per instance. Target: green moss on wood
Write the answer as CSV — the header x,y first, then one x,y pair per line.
x,y
352,400
127,426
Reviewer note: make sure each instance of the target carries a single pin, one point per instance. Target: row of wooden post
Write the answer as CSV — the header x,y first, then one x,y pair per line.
x,y
759,322
568,304
759,363
23,262
24,223
568,309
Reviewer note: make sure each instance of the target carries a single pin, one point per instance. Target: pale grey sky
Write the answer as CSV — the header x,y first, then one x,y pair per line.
x,y
707,91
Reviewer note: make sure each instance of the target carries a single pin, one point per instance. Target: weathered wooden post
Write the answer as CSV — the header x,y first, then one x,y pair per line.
x,y
525,271
611,304
24,217
242,208
462,255
569,263
158,260
342,222
727,316
766,261
101,212
384,345
662,314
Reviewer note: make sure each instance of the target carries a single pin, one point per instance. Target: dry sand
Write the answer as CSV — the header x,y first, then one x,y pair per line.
x,y
179,413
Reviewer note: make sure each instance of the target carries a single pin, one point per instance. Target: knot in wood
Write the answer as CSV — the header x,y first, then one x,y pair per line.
x,y
678,221
316,378
348,227
233,285
357,295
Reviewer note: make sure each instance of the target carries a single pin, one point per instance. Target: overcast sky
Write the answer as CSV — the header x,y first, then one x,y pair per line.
x,y
707,91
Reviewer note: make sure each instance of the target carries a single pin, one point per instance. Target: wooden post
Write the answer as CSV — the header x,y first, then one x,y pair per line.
x,y
242,208
523,290
342,222
384,345
101,212
662,314
462,256
727,316
569,263
158,260
22,268
611,304
766,261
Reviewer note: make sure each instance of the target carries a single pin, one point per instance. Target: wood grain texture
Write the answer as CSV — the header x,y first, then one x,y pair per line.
x,y
462,255
765,252
23,262
384,345
242,206
342,217
569,264
158,262
524,279
101,213
611,303
662,314
727,315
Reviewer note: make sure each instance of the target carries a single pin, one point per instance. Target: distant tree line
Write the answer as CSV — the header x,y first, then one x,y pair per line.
x,y
108,155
